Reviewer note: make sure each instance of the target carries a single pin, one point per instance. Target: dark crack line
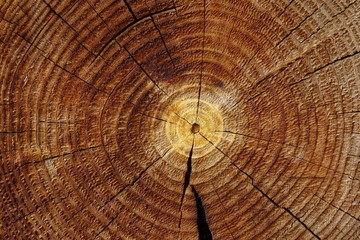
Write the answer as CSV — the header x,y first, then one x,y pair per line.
x,y
47,159
74,75
163,41
356,111
263,193
298,219
62,19
345,212
54,122
130,184
160,119
174,6
187,174
327,168
130,9
183,118
297,26
202,224
7,21
202,61
226,223
261,139
186,181
121,190
142,69
287,6
257,95
133,182
306,77
326,23
17,132
156,118
152,225
106,226
127,27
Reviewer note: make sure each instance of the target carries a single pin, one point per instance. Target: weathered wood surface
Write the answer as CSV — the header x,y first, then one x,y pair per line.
x,y
98,101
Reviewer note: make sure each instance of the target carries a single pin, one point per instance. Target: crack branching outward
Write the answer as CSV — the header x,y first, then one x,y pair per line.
x,y
203,226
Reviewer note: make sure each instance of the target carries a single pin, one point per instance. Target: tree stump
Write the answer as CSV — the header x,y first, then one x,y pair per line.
x,y
174,119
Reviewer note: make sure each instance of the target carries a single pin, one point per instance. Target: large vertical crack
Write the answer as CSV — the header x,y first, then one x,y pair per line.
x,y
202,224
186,180
202,62
187,174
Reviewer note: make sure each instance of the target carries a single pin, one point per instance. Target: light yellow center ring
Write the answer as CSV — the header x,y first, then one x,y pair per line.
x,y
202,124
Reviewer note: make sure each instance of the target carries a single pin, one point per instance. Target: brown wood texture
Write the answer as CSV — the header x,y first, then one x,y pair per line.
x,y
179,119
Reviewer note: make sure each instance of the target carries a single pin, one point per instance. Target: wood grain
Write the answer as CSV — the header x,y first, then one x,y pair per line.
x,y
174,119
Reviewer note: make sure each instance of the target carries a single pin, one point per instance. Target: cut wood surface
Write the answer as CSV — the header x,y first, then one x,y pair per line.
x,y
179,119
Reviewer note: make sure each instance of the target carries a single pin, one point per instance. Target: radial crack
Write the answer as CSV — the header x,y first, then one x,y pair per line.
x,y
326,23
162,39
286,7
142,69
202,62
156,118
121,190
106,226
126,27
263,193
226,223
48,158
186,180
345,212
333,170
187,174
306,77
62,19
132,183
18,132
74,75
202,224
130,9
183,118
297,26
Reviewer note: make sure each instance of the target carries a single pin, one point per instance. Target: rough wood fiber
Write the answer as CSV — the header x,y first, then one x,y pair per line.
x,y
174,119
